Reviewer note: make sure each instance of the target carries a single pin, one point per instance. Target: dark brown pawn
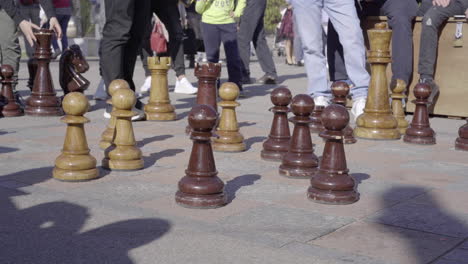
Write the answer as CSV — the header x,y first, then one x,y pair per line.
x,y
420,131
332,184
201,187
300,160
32,69
277,144
340,91
462,141
12,108
43,101
316,124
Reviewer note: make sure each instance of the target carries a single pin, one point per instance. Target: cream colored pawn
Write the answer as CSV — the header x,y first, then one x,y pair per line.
x,y
123,154
229,138
75,163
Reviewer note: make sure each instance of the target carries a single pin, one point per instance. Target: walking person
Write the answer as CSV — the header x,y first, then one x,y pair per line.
x,y
63,10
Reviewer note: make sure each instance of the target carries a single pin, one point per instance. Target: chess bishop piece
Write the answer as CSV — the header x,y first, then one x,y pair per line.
x,y
420,131
159,105
43,101
12,108
228,139
316,124
123,154
72,64
377,121
332,184
277,144
108,135
340,91
462,141
75,163
398,88
201,187
300,160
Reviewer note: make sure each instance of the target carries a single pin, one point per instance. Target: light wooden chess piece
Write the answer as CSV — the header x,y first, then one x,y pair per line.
x,y
159,105
75,163
377,121
229,138
398,88
108,135
123,154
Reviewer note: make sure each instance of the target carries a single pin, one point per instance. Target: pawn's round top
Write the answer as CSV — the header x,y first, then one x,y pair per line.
x,y
422,91
229,91
7,71
340,89
202,117
117,84
123,99
281,96
75,104
335,117
302,105
382,25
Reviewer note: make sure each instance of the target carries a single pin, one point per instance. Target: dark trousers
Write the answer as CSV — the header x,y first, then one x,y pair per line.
x,y
63,21
213,35
251,28
31,13
123,32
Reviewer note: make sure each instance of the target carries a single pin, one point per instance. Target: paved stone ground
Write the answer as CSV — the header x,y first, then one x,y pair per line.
x,y
413,206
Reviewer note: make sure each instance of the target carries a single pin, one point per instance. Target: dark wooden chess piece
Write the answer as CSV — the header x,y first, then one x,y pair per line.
x,y
11,108
277,144
75,163
72,64
377,121
43,101
123,154
462,141
201,187
316,118
398,88
228,139
340,91
420,131
300,160
32,69
332,184
159,105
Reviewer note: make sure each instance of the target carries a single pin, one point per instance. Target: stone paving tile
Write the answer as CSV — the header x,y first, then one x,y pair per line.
x,y
458,255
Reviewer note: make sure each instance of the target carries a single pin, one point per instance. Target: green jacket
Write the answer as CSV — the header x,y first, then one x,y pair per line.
x,y
218,11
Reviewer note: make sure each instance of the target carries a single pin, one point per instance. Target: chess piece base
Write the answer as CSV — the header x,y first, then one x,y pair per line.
x,y
161,116
332,197
201,201
461,144
376,133
43,111
75,175
124,165
229,141
160,112
419,140
104,144
223,147
377,126
402,125
297,173
272,155
17,111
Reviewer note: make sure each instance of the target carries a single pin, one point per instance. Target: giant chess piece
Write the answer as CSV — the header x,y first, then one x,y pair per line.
x,y
340,91
43,101
108,135
228,139
159,105
12,108
398,88
75,163
462,141
123,154
277,144
420,131
332,184
377,121
32,69
300,160
316,125
72,64
201,187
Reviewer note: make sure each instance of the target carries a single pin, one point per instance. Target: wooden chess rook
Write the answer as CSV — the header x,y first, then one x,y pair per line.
x,y
300,160
228,139
32,69
316,119
159,105
462,141
340,91
72,64
420,131
377,121
332,184
11,108
398,88
75,163
201,187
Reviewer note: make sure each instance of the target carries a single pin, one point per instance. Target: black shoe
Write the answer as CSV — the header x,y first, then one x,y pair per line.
x,y
267,79
434,88
247,80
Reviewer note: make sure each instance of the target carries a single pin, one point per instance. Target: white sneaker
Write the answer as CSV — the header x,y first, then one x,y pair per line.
x,y
184,87
146,86
107,111
321,101
358,107
140,114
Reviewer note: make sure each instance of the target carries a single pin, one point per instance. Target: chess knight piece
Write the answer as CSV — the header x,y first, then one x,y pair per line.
x,y
12,108
201,187
377,121
75,163
340,91
462,141
316,124
72,64
420,131
229,138
398,88
159,105
43,101
277,144
332,184
300,160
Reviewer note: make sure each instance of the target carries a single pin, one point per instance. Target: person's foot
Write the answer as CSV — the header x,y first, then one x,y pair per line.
x,y
183,86
300,63
191,64
247,80
434,88
321,101
358,107
139,116
267,79
145,87
107,111
56,53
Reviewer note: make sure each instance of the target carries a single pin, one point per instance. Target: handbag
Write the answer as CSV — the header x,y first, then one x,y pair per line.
x,y
158,41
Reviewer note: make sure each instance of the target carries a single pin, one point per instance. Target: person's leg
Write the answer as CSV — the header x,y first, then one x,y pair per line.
x,y
10,51
234,64
64,25
212,41
336,64
247,25
298,53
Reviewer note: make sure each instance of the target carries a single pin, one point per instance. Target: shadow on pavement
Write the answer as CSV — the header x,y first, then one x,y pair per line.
x,y
235,184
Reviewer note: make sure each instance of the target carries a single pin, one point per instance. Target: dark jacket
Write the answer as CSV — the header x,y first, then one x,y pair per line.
x,y
13,11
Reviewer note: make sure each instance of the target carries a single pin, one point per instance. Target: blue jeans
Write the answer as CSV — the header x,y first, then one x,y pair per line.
x,y
343,15
63,21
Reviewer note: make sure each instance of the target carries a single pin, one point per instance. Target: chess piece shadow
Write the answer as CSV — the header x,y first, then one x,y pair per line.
x,y
251,141
234,185
154,157
150,140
